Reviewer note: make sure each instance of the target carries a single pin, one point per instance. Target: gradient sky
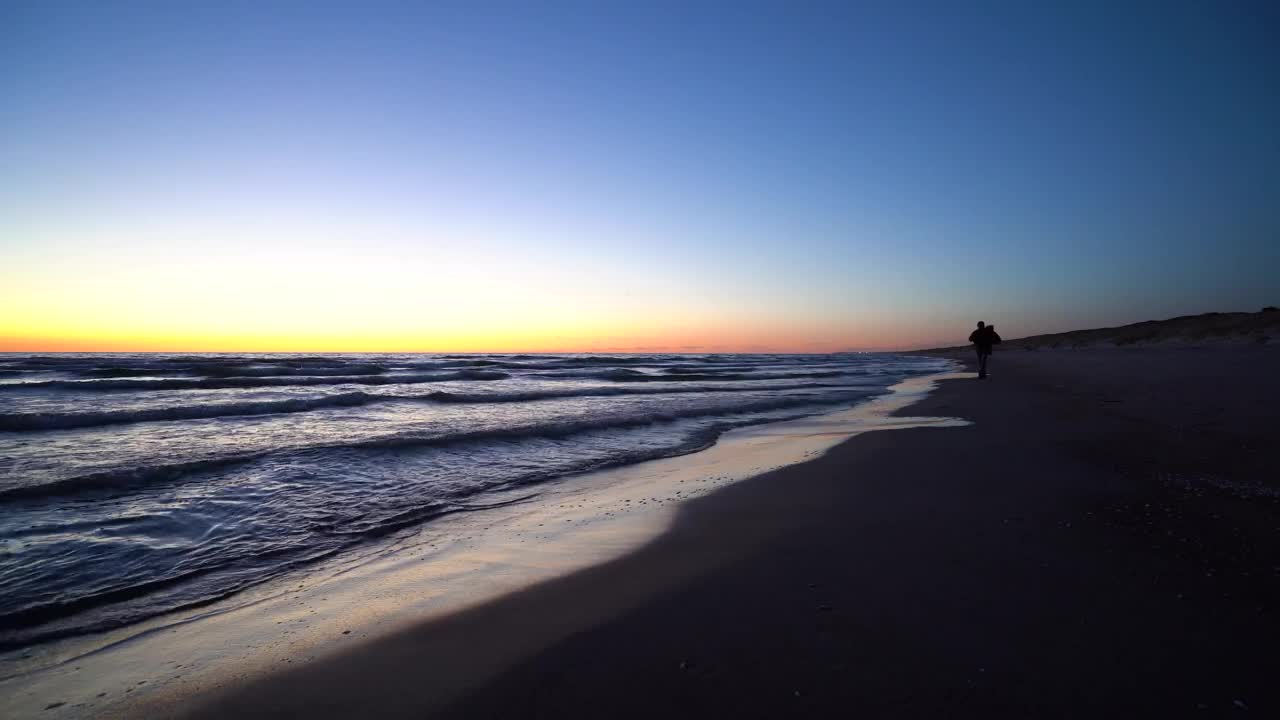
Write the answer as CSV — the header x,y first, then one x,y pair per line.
x,y
684,176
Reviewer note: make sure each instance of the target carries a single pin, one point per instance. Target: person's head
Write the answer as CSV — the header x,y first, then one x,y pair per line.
x,y
981,324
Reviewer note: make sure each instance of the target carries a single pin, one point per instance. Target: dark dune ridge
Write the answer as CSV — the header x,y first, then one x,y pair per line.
x,y
1103,541
1258,328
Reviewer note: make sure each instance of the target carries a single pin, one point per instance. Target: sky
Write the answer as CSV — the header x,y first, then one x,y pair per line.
x,y
791,176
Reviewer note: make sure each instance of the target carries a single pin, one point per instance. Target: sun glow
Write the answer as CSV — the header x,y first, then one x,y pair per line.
x,y
290,295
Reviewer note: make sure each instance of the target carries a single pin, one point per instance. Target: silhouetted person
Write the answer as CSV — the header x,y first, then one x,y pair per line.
x,y
983,338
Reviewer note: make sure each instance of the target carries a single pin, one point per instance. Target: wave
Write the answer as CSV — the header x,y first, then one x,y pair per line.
x,y
628,375
694,370
254,382
25,626
240,366
291,370
561,361
47,362
139,477
27,422
541,362
117,372
255,369
445,364
568,428
610,360
121,479
203,581
470,363
36,422
122,590
610,391
508,356
216,359
234,369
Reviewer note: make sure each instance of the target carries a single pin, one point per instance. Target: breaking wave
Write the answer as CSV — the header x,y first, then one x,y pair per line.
x,y
136,477
28,422
223,383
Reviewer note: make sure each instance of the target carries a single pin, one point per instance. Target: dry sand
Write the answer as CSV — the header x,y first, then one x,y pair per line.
x,y
1102,541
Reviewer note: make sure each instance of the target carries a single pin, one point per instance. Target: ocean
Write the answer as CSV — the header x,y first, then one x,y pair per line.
x,y
137,484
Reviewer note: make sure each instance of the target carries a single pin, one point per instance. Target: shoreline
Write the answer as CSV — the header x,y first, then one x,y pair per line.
x,y
1057,557
440,569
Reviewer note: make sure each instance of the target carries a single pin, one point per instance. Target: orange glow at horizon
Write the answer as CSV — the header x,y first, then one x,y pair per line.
x,y
589,334
611,340
338,300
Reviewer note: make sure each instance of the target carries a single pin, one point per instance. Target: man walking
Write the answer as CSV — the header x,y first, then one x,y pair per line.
x,y
983,338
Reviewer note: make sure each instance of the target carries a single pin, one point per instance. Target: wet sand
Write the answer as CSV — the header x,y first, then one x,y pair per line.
x,y
1103,540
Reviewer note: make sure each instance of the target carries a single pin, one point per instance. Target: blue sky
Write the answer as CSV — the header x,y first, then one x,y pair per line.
x,y
740,176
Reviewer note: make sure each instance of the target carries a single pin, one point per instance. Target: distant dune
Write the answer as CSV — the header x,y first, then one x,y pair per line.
x,y
1208,329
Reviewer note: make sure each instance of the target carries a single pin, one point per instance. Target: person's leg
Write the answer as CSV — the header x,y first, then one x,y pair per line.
x,y
982,364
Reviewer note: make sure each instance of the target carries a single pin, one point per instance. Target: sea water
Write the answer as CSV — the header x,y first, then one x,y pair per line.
x,y
136,484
